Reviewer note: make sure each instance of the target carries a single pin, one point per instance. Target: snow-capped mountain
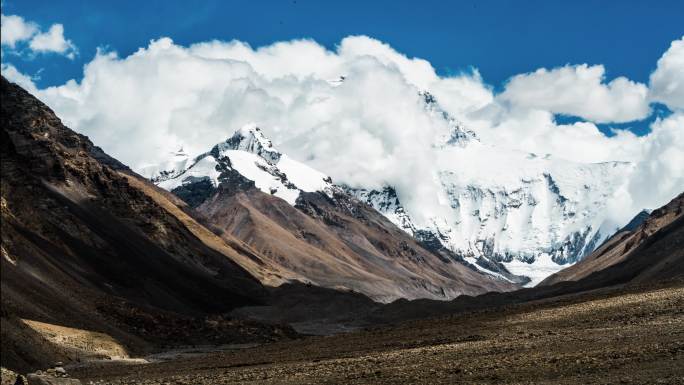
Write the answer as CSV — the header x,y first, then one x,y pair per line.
x,y
387,203
176,164
532,214
517,216
252,156
317,232
505,210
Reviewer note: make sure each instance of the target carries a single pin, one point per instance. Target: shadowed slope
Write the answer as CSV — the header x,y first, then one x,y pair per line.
x,y
84,246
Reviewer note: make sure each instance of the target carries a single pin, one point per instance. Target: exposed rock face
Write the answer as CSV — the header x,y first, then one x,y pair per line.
x,y
387,203
195,190
86,243
651,250
338,242
636,221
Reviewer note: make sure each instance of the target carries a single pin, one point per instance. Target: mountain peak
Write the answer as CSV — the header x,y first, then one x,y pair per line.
x,y
247,154
167,169
458,134
250,138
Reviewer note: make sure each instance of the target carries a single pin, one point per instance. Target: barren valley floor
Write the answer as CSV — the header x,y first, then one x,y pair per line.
x,y
612,336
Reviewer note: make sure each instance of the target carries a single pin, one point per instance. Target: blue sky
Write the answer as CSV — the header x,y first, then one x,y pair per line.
x,y
499,38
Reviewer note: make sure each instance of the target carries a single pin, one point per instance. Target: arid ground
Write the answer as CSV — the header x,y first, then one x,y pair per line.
x,y
617,336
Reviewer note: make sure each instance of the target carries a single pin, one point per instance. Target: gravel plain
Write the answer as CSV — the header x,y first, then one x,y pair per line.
x,y
624,336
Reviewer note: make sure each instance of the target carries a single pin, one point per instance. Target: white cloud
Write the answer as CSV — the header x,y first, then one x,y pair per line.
x,y
660,173
534,130
416,71
12,74
17,30
53,41
371,129
667,81
579,91
166,95
462,94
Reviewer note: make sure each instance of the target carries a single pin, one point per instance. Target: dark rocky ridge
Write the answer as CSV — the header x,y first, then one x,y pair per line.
x,y
195,191
82,247
636,221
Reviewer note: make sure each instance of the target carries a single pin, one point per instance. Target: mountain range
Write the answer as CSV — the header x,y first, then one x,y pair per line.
x,y
243,244
310,230
515,216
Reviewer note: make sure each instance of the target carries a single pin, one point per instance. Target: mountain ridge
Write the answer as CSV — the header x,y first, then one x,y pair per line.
x,y
246,177
544,215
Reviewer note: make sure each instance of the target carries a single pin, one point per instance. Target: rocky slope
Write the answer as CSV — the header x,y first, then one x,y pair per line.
x,y
652,250
308,229
87,244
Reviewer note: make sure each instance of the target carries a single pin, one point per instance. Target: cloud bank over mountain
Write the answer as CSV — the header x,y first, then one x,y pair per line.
x,y
372,128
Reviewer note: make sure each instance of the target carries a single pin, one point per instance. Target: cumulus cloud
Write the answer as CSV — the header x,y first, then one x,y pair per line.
x,y
53,41
369,130
660,173
536,131
579,90
17,30
166,96
667,81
